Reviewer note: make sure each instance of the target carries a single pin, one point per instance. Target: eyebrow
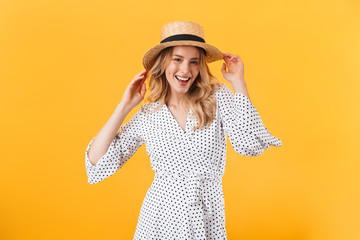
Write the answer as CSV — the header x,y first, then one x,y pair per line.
x,y
183,57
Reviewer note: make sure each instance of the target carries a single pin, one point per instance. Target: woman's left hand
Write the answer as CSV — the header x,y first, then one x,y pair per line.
x,y
235,67
235,73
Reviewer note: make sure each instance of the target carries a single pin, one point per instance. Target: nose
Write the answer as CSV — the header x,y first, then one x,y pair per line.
x,y
185,68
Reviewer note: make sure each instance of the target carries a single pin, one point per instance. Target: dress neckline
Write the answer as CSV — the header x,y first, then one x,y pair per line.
x,y
176,122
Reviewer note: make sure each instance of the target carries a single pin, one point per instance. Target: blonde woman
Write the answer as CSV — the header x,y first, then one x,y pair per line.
x,y
184,126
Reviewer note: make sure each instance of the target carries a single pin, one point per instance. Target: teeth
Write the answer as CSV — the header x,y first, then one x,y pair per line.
x,y
182,79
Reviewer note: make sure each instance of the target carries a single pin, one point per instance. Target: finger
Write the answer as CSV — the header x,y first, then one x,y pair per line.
x,y
145,74
143,89
226,59
138,85
141,73
138,78
140,81
223,68
228,54
141,76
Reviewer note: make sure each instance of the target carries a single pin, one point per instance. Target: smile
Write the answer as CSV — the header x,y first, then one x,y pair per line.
x,y
182,79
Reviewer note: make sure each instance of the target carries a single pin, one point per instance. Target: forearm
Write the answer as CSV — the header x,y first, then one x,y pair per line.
x,y
108,132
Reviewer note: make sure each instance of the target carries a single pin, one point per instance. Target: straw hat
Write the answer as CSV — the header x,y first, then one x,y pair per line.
x,y
181,33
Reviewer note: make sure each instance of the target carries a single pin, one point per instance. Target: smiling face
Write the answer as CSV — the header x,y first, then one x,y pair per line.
x,y
184,65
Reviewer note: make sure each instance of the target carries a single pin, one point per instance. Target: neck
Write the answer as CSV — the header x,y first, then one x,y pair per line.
x,y
176,100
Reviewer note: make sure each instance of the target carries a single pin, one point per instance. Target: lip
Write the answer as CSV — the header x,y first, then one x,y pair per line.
x,y
181,83
183,76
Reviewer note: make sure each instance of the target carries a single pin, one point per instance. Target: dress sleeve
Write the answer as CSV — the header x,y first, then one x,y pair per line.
x,y
242,124
126,142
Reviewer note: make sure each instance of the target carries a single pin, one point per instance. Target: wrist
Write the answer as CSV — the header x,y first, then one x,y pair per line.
x,y
238,80
239,86
124,107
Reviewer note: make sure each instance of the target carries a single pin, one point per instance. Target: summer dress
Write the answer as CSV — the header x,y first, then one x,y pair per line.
x,y
185,199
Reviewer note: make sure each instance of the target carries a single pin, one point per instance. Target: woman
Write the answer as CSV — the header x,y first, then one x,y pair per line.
x,y
184,126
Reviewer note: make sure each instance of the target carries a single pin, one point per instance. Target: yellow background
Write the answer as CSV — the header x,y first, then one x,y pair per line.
x,y
64,66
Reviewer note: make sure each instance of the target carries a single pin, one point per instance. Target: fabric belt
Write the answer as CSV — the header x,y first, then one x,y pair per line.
x,y
197,194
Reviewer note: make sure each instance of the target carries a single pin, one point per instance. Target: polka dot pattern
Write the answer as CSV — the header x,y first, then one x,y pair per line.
x,y
185,199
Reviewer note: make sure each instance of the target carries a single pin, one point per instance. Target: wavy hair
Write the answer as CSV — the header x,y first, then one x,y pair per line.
x,y
200,96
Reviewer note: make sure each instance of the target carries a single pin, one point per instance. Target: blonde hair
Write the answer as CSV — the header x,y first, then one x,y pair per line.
x,y
200,96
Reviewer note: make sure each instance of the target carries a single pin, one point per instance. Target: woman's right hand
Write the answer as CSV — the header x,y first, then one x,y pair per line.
x,y
135,91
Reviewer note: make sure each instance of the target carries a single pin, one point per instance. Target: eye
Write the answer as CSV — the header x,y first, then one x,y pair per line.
x,y
177,59
195,62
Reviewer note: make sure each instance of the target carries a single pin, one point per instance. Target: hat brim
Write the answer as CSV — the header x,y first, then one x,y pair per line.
x,y
212,53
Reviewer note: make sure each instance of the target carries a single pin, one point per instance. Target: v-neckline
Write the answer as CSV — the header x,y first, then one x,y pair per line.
x,y
176,122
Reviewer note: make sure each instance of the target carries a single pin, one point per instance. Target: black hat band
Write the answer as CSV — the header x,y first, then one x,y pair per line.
x,y
183,37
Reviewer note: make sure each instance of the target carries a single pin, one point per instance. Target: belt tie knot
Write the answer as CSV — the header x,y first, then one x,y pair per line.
x,y
195,185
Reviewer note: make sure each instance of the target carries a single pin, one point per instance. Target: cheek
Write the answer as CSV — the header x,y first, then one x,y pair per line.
x,y
196,72
167,70
173,68
170,72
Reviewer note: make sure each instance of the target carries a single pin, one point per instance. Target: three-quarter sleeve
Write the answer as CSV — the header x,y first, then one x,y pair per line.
x,y
125,143
242,123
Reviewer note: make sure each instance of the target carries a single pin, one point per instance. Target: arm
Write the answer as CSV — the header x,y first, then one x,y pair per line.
x,y
122,147
110,149
102,140
240,87
243,125
133,95
241,119
235,73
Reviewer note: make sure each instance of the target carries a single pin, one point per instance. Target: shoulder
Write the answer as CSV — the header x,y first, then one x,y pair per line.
x,y
223,92
148,108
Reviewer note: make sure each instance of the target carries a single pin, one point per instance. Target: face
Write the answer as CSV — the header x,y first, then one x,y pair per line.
x,y
182,69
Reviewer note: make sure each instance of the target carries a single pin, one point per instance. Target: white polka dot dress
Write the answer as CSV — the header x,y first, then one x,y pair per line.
x,y
185,199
